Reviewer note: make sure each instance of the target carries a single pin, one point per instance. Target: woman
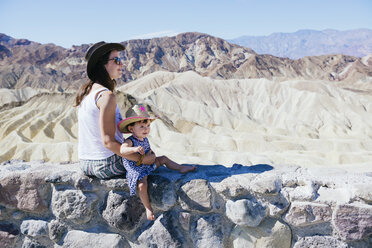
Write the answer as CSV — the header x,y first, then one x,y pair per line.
x,y
98,115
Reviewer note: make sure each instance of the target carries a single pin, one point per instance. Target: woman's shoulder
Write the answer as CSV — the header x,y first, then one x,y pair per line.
x,y
99,89
105,97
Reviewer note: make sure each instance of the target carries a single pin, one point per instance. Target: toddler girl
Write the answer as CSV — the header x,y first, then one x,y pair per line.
x,y
138,122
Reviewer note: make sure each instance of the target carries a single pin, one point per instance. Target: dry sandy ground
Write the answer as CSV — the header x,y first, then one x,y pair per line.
x,y
208,121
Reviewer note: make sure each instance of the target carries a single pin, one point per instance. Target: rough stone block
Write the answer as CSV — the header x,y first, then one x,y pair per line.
x,y
161,234
56,230
308,213
34,228
302,193
207,231
353,221
333,196
162,193
195,195
77,238
230,188
116,183
62,177
264,184
30,243
27,192
319,242
269,234
245,212
277,204
73,205
122,211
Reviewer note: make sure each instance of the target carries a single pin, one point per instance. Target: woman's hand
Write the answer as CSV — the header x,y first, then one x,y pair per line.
x,y
149,158
151,152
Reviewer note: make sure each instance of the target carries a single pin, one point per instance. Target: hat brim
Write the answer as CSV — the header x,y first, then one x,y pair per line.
x,y
98,53
123,125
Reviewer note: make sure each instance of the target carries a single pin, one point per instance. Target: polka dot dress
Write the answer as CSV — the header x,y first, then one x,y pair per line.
x,y
134,172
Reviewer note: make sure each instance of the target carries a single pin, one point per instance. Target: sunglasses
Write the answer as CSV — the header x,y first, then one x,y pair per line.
x,y
116,60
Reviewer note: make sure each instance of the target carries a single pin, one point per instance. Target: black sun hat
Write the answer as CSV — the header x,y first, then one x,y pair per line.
x,y
96,51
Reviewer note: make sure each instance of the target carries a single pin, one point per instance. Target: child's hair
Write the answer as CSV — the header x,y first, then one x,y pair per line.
x,y
145,121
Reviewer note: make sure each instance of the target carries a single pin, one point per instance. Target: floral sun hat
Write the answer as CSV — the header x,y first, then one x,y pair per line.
x,y
136,113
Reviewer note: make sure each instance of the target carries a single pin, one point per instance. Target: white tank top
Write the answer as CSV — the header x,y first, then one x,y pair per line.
x,y
90,141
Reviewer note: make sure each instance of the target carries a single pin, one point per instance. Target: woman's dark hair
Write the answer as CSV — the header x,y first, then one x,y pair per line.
x,y
100,76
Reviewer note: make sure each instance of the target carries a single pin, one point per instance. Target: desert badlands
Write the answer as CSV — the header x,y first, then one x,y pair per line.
x,y
209,121
283,149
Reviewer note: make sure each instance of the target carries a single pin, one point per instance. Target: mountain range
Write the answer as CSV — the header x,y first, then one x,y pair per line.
x,y
302,43
25,63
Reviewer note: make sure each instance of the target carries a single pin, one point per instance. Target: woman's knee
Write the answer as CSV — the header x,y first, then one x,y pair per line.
x,y
162,159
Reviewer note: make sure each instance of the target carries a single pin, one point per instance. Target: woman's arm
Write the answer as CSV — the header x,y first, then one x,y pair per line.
x,y
107,106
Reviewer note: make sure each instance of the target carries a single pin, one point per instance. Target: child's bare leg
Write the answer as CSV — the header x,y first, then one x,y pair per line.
x,y
170,164
144,196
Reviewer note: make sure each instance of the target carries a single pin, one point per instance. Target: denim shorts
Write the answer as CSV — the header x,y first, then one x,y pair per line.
x,y
103,168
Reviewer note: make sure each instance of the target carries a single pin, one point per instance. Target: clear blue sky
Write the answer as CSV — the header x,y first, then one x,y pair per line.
x,y
75,22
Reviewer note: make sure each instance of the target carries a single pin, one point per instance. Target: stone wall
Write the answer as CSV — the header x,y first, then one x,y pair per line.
x,y
54,205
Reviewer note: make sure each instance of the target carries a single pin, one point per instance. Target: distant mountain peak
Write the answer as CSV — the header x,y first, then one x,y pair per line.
x,y
307,42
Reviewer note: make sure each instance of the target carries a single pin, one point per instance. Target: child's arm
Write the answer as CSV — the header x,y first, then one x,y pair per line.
x,y
127,153
127,149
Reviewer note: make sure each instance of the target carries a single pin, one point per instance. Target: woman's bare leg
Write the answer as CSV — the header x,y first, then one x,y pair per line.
x,y
170,164
144,196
